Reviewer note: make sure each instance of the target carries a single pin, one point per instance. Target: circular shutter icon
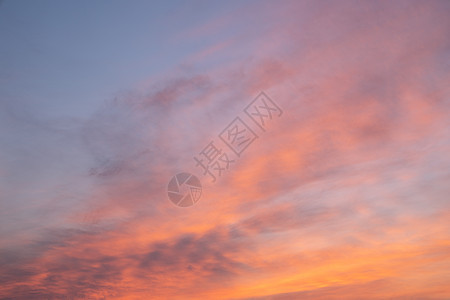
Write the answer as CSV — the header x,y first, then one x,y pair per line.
x,y
184,189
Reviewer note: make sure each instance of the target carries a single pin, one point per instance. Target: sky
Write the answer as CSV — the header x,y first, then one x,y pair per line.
x,y
329,123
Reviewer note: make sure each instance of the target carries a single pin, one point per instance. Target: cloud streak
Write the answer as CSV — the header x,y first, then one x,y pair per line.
x,y
344,196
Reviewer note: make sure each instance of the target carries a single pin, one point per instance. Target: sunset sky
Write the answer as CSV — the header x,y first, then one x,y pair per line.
x,y
343,194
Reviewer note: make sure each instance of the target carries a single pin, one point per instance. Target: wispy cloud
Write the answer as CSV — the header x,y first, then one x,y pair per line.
x,y
344,196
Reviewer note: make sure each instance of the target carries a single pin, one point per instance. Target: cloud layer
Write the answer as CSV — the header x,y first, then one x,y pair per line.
x,y
343,196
